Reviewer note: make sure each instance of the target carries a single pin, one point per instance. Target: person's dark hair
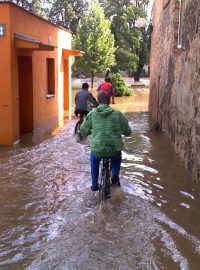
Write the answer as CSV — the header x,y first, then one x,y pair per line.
x,y
107,79
85,86
103,98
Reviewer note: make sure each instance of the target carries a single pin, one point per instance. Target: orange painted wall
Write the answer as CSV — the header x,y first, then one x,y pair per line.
x,y
6,129
45,110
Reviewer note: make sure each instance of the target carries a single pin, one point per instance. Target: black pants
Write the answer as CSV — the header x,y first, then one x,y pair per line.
x,y
81,112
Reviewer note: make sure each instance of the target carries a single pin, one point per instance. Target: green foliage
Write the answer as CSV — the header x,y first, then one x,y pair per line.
x,y
126,60
127,36
34,6
38,9
126,49
119,85
143,51
67,13
94,37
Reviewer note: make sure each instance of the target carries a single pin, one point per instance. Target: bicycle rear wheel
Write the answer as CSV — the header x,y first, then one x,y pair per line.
x,y
104,188
77,127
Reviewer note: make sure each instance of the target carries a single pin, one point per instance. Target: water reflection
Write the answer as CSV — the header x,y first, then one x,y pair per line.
x,y
51,220
138,102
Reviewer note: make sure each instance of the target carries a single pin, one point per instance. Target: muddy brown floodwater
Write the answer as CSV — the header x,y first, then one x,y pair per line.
x,y
51,220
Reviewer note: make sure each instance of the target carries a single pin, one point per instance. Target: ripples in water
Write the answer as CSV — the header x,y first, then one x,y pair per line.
x,y
51,220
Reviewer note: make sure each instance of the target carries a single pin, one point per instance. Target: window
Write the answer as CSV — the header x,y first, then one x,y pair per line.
x,y
50,77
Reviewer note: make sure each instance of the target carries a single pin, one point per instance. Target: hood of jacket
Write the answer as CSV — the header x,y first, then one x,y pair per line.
x,y
104,110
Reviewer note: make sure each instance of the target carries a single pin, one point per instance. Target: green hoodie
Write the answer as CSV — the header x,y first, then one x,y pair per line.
x,y
106,126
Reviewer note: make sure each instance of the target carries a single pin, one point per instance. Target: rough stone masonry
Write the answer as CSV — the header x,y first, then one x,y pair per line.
x,y
174,101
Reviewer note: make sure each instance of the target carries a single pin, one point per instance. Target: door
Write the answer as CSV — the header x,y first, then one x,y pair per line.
x,y
25,78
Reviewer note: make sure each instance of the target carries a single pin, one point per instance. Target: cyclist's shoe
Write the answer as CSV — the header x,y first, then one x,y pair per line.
x,y
94,188
115,181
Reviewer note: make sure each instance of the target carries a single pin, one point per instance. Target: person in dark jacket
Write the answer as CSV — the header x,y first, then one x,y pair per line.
x,y
84,101
106,125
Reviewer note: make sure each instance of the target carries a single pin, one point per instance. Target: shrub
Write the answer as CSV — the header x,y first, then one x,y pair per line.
x,y
119,85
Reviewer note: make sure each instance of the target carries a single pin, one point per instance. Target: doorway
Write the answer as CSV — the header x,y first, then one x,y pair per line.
x,y
25,78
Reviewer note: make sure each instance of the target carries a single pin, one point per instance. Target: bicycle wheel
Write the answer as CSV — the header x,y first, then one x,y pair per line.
x,y
77,127
104,188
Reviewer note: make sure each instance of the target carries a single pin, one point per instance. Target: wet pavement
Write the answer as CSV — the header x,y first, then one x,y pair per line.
x,y
51,220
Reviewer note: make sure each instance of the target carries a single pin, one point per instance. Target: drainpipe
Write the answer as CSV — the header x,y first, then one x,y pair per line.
x,y
157,125
179,44
70,87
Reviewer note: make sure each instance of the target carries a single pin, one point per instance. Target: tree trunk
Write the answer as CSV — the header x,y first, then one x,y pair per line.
x,y
137,76
92,79
107,73
137,73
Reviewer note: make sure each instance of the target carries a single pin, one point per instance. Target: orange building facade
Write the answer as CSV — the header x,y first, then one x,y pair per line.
x,y
35,73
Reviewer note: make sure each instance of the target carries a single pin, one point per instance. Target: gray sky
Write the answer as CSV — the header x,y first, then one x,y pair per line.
x,y
150,8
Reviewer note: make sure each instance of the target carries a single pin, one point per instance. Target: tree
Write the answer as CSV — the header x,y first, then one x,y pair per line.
x,y
23,3
143,53
34,6
67,13
127,36
94,37
120,86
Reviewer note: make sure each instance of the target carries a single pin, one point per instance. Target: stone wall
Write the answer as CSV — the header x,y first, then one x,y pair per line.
x,y
174,101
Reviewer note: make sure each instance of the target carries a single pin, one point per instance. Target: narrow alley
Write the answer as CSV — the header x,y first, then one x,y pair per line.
x,y
50,219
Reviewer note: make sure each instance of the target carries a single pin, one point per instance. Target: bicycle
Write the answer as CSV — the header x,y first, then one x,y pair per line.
x,y
78,124
105,180
82,114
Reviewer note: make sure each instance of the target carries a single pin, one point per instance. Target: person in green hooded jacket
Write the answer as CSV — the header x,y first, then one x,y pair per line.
x,y
106,126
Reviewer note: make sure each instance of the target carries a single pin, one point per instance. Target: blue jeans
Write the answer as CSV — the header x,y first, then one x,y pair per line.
x,y
95,160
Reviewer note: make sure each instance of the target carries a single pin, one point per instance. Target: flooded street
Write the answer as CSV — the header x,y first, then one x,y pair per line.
x,y
50,219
